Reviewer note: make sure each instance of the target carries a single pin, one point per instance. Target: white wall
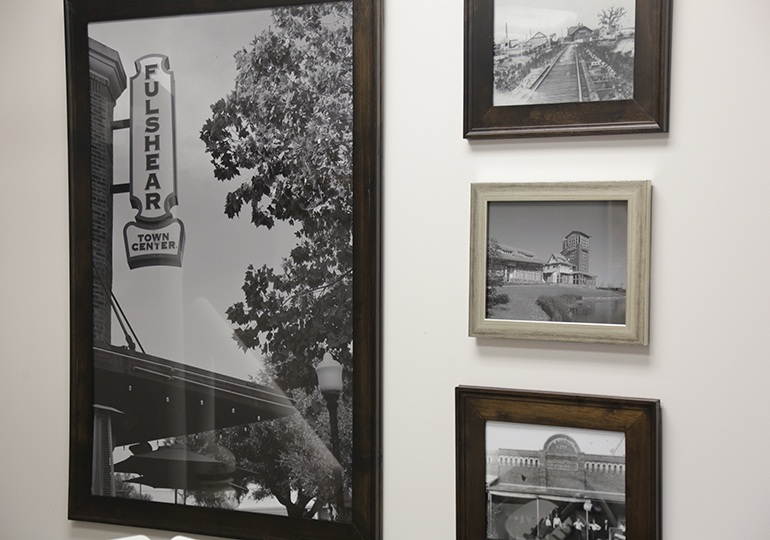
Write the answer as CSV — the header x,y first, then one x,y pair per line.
x,y
708,356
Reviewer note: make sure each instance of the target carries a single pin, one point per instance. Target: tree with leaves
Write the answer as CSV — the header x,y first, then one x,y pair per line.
x,y
287,458
610,18
128,490
495,276
285,135
287,125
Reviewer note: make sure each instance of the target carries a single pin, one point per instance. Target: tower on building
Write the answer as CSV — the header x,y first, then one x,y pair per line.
x,y
575,249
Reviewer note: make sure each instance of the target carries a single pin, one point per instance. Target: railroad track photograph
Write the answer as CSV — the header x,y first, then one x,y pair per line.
x,y
559,51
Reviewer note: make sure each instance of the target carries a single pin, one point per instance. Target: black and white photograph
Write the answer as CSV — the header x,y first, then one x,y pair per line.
x,y
557,261
536,465
222,255
560,261
262,291
543,68
554,483
558,51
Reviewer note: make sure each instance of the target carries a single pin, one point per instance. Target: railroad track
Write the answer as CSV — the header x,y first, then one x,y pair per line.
x,y
564,81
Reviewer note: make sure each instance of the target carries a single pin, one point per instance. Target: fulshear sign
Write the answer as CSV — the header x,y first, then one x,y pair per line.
x,y
156,237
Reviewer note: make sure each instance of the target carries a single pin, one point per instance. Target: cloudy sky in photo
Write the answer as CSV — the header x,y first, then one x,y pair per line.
x,y
509,435
525,18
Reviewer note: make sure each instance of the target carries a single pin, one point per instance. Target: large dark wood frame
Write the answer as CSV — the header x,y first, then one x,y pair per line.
x,y
366,521
647,112
639,419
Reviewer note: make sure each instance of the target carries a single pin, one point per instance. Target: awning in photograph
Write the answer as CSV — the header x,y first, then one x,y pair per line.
x,y
561,495
176,467
160,398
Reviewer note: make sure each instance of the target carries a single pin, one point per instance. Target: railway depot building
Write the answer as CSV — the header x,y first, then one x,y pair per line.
x,y
579,33
570,267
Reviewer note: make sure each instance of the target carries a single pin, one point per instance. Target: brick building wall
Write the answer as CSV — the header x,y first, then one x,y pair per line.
x,y
108,81
560,465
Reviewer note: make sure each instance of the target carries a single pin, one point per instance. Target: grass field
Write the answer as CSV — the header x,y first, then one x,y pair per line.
x,y
522,300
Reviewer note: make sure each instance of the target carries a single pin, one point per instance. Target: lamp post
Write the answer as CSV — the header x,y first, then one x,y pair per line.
x,y
329,373
587,507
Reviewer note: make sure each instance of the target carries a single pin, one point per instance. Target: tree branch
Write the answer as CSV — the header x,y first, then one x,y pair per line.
x,y
322,287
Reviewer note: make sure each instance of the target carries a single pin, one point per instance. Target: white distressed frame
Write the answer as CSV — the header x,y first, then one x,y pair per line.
x,y
637,194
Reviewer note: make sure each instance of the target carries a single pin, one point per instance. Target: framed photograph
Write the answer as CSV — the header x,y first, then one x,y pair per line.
x,y
538,465
225,266
561,261
549,67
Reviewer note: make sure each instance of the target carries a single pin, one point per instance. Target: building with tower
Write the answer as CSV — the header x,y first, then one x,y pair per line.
x,y
570,267
575,248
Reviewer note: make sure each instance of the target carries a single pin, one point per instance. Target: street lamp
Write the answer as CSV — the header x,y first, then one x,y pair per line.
x,y
587,507
329,373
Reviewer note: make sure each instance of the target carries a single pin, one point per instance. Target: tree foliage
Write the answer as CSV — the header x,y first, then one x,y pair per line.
x,y
284,137
128,490
285,132
288,458
495,273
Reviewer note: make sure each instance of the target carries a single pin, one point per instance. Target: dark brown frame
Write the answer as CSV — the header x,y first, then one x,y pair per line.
x,y
366,523
639,419
647,112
